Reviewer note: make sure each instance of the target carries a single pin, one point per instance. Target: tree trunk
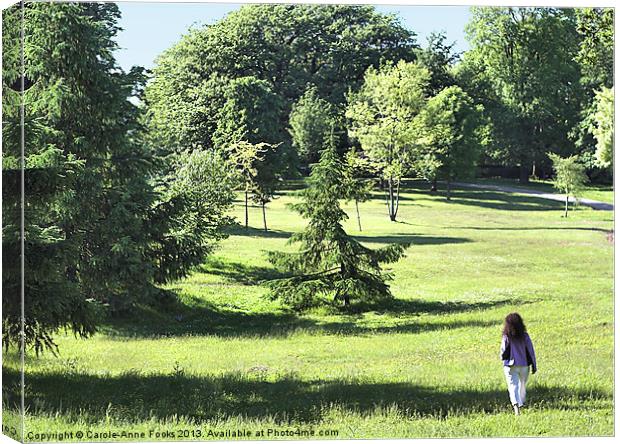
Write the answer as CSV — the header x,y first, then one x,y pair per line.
x,y
391,200
359,220
246,208
347,300
524,176
566,207
434,185
448,189
264,217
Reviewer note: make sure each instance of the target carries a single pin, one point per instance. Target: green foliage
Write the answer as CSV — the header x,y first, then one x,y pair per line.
x,y
331,264
250,117
603,127
382,113
288,46
250,112
102,223
438,58
356,171
258,177
450,128
596,47
527,56
86,191
570,177
311,121
191,213
356,183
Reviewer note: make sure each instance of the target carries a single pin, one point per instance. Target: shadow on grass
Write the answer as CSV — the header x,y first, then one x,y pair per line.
x,y
239,230
253,394
239,272
420,306
498,200
403,238
478,197
206,319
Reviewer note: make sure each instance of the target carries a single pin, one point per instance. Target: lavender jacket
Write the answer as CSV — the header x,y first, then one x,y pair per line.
x,y
518,352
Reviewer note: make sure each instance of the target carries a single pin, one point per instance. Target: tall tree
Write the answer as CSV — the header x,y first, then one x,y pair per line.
x,y
603,127
595,27
529,56
87,192
382,114
288,46
438,58
330,264
248,118
596,47
103,221
450,128
311,121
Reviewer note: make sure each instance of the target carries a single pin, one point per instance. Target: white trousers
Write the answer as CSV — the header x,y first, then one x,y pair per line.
x,y
516,378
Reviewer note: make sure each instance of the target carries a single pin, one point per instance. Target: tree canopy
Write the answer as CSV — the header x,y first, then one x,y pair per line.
x,y
450,128
382,115
528,57
288,46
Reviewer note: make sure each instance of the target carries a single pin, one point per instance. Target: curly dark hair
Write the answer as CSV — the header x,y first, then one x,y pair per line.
x,y
514,326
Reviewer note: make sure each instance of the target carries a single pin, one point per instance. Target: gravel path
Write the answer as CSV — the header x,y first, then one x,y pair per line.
x,y
595,204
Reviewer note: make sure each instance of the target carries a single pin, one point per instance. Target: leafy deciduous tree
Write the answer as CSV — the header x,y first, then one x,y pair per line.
x,y
288,46
382,115
603,127
450,136
311,121
249,118
570,177
528,55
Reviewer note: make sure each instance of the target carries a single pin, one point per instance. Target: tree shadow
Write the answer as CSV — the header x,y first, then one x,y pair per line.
x,y
255,395
239,272
202,318
403,238
420,306
498,200
239,230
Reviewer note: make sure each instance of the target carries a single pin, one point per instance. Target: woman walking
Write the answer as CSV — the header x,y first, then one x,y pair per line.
x,y
517,353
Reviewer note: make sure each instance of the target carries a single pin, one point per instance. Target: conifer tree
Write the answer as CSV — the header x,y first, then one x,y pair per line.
x,y
330,264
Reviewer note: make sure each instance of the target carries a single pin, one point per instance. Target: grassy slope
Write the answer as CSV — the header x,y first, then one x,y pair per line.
x,y
426,365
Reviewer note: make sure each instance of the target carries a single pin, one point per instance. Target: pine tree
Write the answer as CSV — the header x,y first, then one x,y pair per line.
x,y
330,264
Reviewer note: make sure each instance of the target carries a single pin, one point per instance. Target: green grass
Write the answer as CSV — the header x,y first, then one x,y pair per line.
x,y
224,357
602,193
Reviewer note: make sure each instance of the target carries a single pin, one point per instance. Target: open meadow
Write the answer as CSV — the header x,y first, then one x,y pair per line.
x,y
423,365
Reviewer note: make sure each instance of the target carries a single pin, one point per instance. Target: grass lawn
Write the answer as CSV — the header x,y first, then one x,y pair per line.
x,y
602,193
425,365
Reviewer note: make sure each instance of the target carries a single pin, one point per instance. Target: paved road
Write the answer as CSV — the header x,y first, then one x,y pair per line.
x,y
551,196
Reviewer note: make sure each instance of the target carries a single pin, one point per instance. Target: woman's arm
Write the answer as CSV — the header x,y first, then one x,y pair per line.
x,y
530,349
503,346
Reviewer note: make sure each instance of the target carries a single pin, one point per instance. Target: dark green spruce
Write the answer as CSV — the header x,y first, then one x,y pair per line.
x,y
330,264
